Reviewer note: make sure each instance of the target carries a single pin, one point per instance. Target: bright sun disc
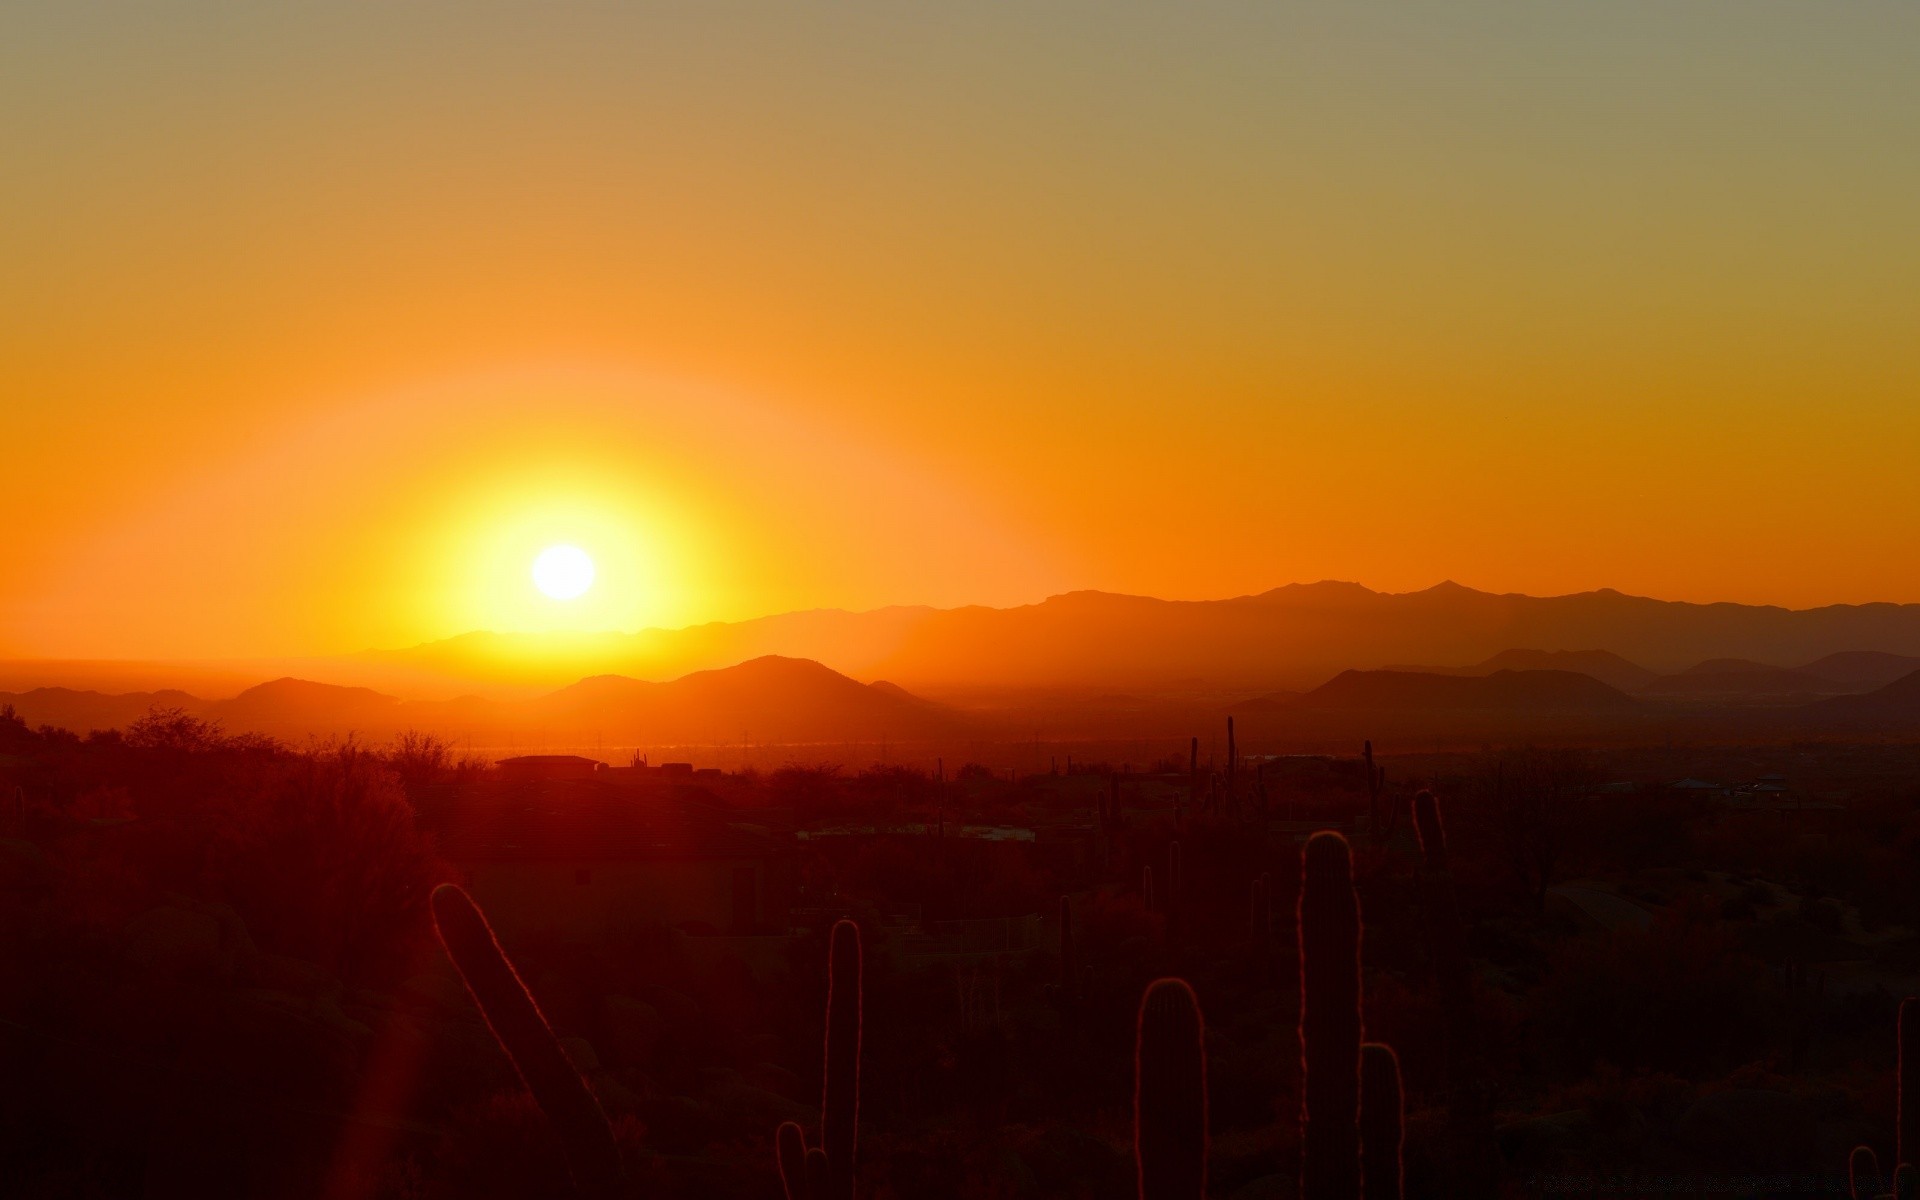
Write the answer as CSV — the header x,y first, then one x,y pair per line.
x,y
563,572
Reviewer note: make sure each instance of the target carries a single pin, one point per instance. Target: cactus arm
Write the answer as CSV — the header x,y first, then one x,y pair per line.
x,y
818,1174
516,1022
1863,1174
790,1151
1381,1120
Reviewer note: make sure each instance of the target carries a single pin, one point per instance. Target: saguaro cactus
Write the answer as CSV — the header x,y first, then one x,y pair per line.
x,y
1066,942
1445,935
1329,916
517,1023
1381,1109
826,1171
1071,980
1233,757
1864,1181
1433,837
1907,1114
1376,782
1469,1110
1170,1094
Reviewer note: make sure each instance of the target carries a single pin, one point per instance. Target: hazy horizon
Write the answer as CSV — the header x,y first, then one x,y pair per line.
x,y
586,636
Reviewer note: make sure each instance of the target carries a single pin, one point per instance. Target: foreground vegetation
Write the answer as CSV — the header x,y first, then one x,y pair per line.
x,y
220,976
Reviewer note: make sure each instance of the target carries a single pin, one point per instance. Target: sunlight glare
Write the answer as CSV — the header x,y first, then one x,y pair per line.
x,y
563,572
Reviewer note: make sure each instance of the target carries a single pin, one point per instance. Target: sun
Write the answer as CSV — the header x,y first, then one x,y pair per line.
x,y
563,572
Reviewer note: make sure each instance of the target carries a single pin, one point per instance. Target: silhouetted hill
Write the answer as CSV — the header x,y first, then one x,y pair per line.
x,y
1517,692
885,688
288,707
1734,680
1899,700
1863,669
1609,668
81,711
1604,665
1290,637
769,699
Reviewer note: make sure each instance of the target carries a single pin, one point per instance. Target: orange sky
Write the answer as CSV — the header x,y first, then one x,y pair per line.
x,y
317,321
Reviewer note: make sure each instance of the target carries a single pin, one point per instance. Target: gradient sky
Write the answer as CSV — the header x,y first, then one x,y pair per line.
x,y
318,320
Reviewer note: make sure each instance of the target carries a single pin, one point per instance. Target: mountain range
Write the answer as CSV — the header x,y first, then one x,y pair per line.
x,y
1300,658
1293,637
773,701
770,699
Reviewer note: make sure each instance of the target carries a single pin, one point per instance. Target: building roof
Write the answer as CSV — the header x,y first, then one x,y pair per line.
x,y
588,821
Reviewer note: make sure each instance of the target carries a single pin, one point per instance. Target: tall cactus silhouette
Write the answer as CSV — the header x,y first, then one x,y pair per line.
x,y
1174,903
1445,934
1468,1089
1907,1112
1863,1168
1376,782
1067,967
516,1022
826,1171
1381,1112
1329,916
1170,1094
1071,988
1233,758
1433,837
1373,795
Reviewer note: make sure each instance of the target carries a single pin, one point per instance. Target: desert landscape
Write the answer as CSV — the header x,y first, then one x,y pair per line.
x,y
1251,600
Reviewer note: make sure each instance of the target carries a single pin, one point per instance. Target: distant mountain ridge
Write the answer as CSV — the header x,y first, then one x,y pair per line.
x,y
1295,637
1288,638
1607,667
1095,662
1897,702
1515,692
769,699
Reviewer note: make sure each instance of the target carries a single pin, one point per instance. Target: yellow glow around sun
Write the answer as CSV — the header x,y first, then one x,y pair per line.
x,y
563,572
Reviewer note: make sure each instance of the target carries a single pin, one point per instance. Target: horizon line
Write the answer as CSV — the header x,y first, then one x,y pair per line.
x,y
1445,585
